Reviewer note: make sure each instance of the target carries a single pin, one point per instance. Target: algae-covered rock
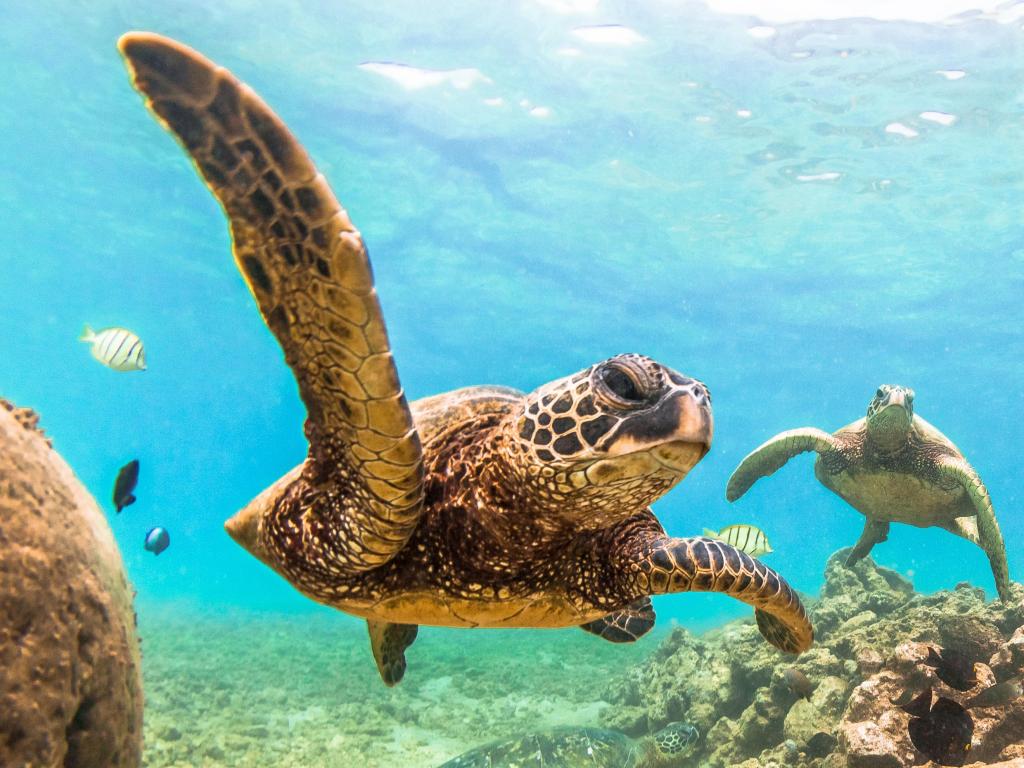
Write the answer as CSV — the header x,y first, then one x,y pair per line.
x,y
70,686
872,635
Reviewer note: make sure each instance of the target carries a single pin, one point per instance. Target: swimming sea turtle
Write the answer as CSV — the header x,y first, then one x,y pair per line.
x,y
482,507
893,467
575,747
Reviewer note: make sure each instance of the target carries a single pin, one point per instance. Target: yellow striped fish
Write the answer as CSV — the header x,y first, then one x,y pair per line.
x,y
116,348
746,538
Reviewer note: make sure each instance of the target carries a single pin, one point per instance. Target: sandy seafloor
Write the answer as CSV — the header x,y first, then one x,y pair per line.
x,y
247,689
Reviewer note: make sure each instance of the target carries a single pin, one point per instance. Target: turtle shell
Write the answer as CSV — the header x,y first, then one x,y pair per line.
x,y
564,747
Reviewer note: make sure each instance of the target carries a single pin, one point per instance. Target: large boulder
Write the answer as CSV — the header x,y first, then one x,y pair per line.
x,y
70,679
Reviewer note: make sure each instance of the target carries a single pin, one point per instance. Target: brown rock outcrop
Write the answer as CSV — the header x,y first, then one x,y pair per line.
x,y
70,683
872,631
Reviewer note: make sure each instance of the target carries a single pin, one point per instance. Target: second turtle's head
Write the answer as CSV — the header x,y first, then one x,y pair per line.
x,y
611,439
890,412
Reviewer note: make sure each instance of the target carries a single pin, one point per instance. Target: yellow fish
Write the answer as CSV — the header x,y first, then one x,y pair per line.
x,y
116,348
746,538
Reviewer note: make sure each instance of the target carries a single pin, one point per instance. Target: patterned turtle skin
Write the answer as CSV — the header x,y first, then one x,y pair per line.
x,y
576,747
481,507
892,466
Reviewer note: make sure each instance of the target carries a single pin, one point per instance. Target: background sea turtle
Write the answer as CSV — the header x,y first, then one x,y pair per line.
x,y
893,467
482,507
576,747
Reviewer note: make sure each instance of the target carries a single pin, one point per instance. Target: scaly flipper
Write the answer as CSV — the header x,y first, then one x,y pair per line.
x,y
772,455
625,626
667,565
388,642
308,269
990,538
875,532
965,528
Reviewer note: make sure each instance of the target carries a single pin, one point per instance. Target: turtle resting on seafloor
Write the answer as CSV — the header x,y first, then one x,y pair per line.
x,y
893,467
575,747
482,507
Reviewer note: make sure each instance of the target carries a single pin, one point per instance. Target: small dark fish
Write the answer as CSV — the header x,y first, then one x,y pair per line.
x,y
157,540
918,706
127,478
798,683
998,695
944,734
821,744
953,668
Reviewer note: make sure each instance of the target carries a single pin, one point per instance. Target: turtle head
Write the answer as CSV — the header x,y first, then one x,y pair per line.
x,y
675,740
611,439
890,414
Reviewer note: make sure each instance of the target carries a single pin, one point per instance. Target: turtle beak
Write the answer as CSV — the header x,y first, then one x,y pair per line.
x,y
897,397
690,441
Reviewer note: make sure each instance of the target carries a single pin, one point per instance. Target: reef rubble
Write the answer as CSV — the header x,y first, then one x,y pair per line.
x,y
872,632
70,676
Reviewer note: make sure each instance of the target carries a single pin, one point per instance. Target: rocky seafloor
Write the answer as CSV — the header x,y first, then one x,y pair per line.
x,y
248,690
872,632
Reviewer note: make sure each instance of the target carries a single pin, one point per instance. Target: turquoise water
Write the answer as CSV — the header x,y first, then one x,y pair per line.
x,y
792,213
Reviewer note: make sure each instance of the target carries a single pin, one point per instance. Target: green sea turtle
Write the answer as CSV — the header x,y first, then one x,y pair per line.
x,y
576,747
482,507
893,467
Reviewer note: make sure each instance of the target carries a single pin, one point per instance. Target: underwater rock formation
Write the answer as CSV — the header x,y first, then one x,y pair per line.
x,y
872,632
70,682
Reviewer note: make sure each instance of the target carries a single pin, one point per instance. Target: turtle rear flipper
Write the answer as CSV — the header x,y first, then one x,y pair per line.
x,y
388,642
772,455
875,532
307,267
625,626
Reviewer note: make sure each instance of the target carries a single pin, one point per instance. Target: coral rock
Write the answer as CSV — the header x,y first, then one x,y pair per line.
x,y
70,686
873,633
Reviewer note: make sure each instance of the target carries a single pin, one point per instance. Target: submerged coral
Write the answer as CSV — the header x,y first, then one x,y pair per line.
x,y
873,635
70,687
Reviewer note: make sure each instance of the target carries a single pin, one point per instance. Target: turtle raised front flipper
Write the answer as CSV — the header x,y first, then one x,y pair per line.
x,y
990,538
773,454
625,626
308,269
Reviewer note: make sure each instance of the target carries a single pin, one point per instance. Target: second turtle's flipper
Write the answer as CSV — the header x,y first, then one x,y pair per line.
x,y
625,626
875,532
389,642
769,457
965,528
990,537
670,565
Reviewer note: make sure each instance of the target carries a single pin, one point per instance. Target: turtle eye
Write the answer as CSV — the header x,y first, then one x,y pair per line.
x,y
621,385
880,393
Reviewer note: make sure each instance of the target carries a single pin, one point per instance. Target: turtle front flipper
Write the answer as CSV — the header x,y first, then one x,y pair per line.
x,y
989,535
388,642
770,456
965,528
875,532
625,626
668,565
308,269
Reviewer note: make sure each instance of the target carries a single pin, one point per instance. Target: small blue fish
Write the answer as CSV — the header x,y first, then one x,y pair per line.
x,y
157,540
